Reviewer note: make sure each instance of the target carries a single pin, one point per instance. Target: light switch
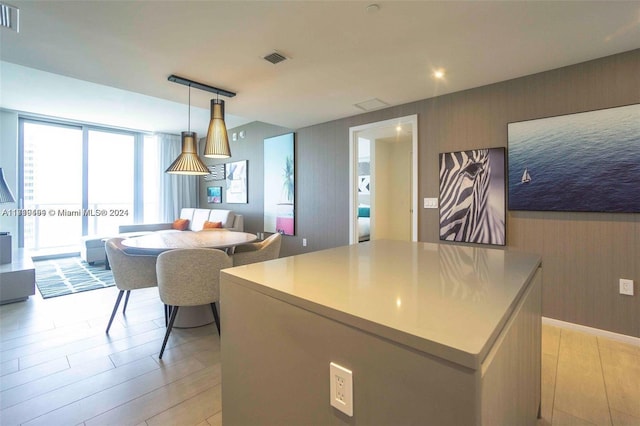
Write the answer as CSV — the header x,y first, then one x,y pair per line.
x,y
430,203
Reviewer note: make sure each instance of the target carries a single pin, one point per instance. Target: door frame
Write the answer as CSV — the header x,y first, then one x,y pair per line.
x,y
409,120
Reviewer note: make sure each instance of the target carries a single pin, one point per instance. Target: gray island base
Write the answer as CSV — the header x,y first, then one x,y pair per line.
x,y
434,334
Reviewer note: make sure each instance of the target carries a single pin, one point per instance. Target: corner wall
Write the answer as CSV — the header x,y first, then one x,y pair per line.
x,y
584,254
9,164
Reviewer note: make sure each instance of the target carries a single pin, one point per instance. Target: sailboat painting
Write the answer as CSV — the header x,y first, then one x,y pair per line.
x,y
583,162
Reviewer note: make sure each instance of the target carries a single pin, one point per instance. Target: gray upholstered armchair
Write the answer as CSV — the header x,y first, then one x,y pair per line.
x,y
268,249
190,277
130,272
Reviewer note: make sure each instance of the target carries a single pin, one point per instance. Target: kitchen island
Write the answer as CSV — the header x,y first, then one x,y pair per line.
x,y
433,334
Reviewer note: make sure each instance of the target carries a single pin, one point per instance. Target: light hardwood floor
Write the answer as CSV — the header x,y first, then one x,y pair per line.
x,y
58,367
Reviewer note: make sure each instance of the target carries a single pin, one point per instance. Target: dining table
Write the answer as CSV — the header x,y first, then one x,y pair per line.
x,y
159,241
156,243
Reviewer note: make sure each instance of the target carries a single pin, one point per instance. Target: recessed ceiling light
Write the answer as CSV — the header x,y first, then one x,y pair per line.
x,y
438,74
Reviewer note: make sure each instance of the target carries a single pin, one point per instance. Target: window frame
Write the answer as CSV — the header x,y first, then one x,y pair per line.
x,y
138,159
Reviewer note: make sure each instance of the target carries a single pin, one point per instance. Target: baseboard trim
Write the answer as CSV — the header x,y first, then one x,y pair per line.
x,y
51,256
635,341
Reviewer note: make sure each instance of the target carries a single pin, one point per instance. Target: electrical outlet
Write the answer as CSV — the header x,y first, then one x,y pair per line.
x,y
304,242
626,287
341,386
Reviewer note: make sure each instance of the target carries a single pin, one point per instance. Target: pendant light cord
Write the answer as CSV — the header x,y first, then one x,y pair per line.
x,y
189,121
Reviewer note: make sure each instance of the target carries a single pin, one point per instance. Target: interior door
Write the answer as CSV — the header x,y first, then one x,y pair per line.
x,y
384,164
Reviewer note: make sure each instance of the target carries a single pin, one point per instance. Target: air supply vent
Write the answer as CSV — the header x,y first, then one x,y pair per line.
x,y
9,17
371,104
275,58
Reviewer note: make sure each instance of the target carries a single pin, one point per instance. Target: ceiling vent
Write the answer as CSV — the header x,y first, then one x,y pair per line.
x,y
371,104
9,17
275,58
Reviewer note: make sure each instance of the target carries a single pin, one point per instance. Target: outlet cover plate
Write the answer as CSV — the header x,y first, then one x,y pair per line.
x,y
341,386
626,287
430,203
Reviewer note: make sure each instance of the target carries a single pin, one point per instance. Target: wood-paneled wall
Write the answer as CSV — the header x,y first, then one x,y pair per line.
x,y
584,254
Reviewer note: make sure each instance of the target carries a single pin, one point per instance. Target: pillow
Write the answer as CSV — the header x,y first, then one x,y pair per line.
x,y
180,224
211,225
363,211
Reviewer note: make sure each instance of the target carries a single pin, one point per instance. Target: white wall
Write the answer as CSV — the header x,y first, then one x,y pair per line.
x,y
9,164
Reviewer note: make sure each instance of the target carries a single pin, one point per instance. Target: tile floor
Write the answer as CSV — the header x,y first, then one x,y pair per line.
x,y
57,367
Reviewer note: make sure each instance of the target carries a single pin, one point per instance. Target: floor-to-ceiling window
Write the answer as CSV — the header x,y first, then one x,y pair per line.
x,y
83,180
110,181
52,182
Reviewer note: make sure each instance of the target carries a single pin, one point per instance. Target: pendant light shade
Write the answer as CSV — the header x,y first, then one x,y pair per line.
x,y
217,145
5,193
188,162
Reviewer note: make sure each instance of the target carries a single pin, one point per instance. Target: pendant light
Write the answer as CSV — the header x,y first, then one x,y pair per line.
x,y
217,142
188,162
217,145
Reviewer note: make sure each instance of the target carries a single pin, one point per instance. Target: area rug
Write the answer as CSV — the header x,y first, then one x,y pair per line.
x,y
59,277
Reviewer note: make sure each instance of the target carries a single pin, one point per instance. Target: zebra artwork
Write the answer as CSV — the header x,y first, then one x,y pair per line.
x,y
472,190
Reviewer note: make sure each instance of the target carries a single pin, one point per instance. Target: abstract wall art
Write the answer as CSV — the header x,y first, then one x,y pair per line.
x,y
236,180
214,194
217,172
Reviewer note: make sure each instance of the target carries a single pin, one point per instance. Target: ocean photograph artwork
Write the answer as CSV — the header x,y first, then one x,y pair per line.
x,y
584,162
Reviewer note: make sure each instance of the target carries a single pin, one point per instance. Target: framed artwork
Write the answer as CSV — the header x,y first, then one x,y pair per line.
x,y
279,184
586,162
364,183
472,196
214,194
217,172
236,182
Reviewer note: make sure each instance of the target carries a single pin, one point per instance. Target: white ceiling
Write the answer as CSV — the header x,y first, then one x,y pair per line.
x,y
340,54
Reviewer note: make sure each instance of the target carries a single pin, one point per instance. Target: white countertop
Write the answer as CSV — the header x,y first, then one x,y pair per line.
x,y
447,300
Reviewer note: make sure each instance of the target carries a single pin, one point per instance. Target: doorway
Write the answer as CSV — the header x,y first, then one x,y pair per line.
x,y
383,194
